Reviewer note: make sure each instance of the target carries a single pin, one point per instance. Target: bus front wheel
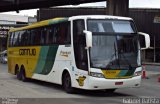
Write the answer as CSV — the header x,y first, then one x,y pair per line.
x,y
67,83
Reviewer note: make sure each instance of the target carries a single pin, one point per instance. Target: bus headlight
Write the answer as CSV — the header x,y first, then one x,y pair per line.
x,y
94,74
138,73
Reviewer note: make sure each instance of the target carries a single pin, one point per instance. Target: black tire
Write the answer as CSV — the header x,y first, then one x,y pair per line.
x,y
67,83
18,74
23,75
110,90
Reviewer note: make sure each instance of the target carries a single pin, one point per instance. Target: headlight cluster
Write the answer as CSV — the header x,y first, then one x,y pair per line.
x,y
94,74
138,73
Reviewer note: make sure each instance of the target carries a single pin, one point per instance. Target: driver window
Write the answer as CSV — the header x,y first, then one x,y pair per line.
x,y
79,45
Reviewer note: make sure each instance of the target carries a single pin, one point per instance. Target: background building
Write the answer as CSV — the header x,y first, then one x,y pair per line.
x,y
9,21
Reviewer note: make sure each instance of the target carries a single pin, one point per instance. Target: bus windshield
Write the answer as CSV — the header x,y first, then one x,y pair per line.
x,y
114,46
111,26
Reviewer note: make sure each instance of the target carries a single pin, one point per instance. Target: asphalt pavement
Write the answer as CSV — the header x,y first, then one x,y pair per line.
x,y
38,92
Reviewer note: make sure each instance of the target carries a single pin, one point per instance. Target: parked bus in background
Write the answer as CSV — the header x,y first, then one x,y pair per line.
x,y
93,52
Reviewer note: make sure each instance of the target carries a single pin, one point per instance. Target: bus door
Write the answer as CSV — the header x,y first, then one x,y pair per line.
x,y
80,52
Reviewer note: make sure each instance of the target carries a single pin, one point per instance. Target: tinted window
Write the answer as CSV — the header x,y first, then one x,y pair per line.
x,y
21,38
53,34
10,38
15,39
50,35
35,36
27,35
58,34
43,36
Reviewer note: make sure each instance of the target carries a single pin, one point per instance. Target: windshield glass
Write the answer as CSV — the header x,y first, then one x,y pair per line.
x,y
118,49
111,26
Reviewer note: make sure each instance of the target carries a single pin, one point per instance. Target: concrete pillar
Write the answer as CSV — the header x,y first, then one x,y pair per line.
x,y
118,7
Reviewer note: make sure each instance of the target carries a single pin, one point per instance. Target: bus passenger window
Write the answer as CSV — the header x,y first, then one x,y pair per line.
x,y
22,39
28,37
10,38
43,36
67,34
33,37
35,33
15,39
61,34
49,35
56,33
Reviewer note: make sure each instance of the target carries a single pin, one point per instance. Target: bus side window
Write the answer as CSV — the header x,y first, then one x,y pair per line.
x,y
32,37
61,34
28,37
25,37
43,36
21,39
49,35
67,34
10,38
54,31
56,34
35,37
15,38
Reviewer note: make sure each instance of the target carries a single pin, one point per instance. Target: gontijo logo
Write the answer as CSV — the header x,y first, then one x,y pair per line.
x,y
27,52
65,53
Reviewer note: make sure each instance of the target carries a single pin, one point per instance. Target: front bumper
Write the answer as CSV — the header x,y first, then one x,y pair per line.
x,y
102,83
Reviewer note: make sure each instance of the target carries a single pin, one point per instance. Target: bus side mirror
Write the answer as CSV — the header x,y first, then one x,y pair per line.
x,y
144,40
88,35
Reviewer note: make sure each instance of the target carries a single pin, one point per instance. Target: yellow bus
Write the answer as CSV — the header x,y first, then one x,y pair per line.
x,y
93,52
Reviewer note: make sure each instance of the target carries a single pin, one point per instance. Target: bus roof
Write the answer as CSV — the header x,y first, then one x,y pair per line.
x,y
40,24
99,17
58,20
